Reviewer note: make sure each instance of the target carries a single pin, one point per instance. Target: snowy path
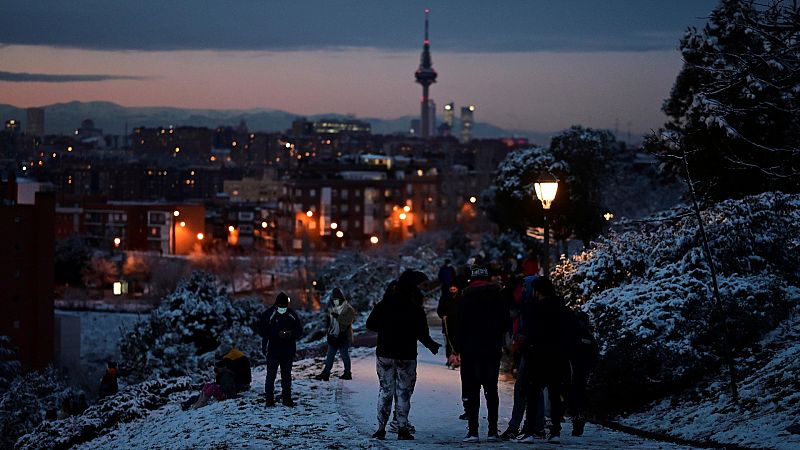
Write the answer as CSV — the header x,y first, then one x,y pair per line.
x,y
436,404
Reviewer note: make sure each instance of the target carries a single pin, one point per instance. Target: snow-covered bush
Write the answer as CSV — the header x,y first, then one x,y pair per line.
x,y
364,276
26,402
9,366
507,245
177,338
649,292
130,403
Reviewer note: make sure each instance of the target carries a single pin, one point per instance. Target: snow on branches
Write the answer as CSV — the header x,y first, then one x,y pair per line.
x,y
179,336
649,291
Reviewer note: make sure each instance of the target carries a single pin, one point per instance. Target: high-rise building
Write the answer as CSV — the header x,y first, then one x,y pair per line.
x,y
35,124
467,121
26,274
449,114
426,76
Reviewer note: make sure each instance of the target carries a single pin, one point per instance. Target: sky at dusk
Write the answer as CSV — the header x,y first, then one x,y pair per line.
x,y
527,65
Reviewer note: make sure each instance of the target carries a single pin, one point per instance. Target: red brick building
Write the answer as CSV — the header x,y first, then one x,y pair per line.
x,y
26,274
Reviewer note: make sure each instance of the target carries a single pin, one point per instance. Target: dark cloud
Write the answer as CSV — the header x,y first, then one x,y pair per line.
x,y
465,25
61,78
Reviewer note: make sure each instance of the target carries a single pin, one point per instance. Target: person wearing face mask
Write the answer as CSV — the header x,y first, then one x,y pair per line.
x,y
279,328
340,334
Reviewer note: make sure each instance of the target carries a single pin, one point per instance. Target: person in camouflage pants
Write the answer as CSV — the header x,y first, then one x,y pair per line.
x,y
397,378
400,323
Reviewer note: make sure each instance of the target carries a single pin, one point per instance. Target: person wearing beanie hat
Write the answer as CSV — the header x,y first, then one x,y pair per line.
x,y
341,316
483,319
279,328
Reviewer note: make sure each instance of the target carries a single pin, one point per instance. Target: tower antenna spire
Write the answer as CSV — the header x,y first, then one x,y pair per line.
x,y
425,75
427,11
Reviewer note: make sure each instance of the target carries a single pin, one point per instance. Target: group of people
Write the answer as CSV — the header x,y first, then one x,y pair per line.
x,y
553,349
280,327
485,316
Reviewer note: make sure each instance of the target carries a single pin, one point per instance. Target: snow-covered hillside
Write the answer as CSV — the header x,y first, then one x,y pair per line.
x,y
649,293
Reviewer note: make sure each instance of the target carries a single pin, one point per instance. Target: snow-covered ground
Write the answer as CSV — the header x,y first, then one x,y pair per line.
x,y
769,400
335,414
436,404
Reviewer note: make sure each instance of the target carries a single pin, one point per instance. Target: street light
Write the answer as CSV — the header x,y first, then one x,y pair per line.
x,y
117,241
546,189
200,236
334,225
175,215
608,216
339,234
374,239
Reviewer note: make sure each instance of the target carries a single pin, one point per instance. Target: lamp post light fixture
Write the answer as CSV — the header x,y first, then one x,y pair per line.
x,y
403,216
310,213
334,225
608,216
175,215
339,234
473,199
373,239
546,189
117,241
200,236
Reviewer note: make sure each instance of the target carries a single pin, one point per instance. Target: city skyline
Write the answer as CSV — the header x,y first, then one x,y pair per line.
x,y
527,66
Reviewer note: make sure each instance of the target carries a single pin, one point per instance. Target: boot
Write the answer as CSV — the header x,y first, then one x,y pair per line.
x,y
324,376
347,375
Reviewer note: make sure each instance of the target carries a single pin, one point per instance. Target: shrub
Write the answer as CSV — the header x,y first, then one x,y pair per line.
x,y
650,296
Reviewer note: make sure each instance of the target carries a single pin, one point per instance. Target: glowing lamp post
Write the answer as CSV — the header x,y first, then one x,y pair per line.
x,y
175,215
546,192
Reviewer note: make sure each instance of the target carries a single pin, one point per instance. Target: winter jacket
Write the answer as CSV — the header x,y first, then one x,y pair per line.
x,y
482,321
108,384
400,322
226,380
550,330
280,332
239,364
345,320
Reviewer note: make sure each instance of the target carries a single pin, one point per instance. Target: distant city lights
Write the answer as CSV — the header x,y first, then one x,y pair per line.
x,y
473,199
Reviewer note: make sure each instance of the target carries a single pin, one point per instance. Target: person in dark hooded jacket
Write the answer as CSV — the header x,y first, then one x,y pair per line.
x,y
482,322
550,333
583,359
280,328
400,322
